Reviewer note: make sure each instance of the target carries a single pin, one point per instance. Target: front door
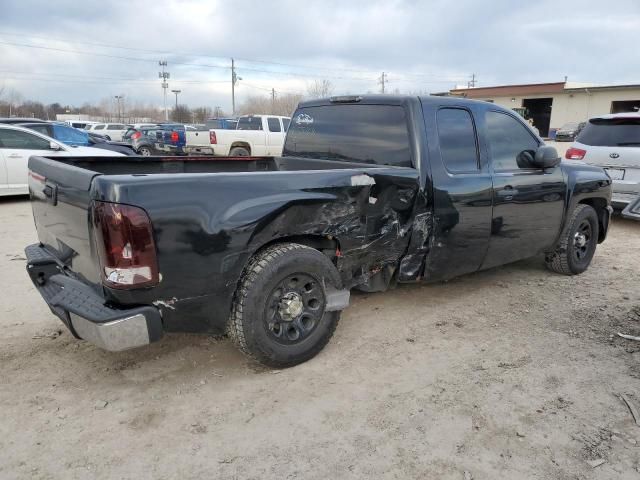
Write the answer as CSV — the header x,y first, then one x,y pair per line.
x,y
462,196
528,204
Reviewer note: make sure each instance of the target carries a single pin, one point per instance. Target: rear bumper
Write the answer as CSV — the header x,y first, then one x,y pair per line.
x,y
84,311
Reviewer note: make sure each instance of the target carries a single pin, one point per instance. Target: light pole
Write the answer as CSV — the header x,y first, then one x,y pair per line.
x,y
176,92
118,98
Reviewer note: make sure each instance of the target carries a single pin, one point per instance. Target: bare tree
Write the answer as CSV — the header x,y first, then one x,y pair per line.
x,y
320,89
266,105
180,114
201,114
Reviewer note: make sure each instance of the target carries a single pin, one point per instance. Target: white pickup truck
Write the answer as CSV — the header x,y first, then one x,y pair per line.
x,y
256,135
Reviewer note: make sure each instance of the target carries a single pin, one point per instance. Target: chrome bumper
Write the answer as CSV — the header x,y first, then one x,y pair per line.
x,y
85,312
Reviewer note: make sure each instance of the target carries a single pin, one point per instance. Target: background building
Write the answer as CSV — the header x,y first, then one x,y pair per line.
x,y
551,105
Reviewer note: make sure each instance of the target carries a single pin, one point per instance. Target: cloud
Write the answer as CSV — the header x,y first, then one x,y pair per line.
x,y
423,46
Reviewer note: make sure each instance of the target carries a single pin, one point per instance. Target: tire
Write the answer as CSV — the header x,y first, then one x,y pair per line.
x,y
145,151
239,152
107,137
265,321
577,243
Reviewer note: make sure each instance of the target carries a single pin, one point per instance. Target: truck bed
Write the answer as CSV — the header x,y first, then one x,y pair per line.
x,y
204,164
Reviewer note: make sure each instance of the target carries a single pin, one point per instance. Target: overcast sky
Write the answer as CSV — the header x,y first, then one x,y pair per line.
x,y
424,46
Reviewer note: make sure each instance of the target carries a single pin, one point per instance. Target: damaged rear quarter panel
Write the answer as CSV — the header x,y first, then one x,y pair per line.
x,y
214,223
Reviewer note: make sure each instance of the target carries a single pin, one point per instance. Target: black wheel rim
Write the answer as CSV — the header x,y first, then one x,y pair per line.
x,y
294,309
582,241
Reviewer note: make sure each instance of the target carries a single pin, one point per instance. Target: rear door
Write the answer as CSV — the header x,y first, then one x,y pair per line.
x,y
461,191
275,136
528,204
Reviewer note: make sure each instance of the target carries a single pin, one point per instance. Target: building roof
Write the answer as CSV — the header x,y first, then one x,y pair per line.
x,y
534,89
513,90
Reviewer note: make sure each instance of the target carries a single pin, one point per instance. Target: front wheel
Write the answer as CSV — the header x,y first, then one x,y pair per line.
x,y
577,244
279,315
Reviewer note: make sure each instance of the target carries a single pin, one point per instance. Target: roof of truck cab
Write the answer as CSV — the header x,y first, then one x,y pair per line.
x,y
383,99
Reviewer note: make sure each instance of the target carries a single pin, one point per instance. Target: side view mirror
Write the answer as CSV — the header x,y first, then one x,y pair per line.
x,y
544,157
54,146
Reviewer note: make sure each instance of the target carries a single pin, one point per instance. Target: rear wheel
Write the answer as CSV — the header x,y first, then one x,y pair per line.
x,y
239,152
577,244
278,315
145,151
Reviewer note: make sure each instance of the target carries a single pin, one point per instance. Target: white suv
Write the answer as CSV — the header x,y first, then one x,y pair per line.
x,y
17,144
613,142
113,131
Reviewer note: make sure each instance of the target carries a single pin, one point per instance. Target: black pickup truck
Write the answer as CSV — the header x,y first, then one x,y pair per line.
x,y
369,192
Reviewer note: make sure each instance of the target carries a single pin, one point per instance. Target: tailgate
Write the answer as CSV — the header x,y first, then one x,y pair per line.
x,y
61,204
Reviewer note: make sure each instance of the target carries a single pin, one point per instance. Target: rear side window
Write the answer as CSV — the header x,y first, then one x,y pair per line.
x,y
22,140
285,123
274,125
611,132
507,138
99,127
250,123
355,133
115,126
457,137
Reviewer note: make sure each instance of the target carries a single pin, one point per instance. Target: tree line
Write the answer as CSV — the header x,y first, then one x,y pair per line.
x,y
13,104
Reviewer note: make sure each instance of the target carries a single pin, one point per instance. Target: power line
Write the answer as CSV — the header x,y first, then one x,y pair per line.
x,y
266,62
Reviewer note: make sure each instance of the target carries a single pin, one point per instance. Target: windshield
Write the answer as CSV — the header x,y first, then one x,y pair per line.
x,y
357,133
611,132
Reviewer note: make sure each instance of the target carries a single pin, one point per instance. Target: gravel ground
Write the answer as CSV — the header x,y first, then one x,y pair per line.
x,y
509,373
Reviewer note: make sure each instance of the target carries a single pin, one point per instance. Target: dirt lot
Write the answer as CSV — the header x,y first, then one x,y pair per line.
x,y
510,373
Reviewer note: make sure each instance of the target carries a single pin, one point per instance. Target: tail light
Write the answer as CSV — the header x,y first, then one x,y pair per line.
x,y
213,140
127,251
174,137
575,154
136,135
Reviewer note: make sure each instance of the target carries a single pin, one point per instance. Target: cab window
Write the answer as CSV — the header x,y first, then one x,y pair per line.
x,y
22,140
507,138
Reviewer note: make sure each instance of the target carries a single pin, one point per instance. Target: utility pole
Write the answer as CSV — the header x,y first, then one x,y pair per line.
x,y
273,101
118,97
472,83
164,76
382,81
234,79
176,92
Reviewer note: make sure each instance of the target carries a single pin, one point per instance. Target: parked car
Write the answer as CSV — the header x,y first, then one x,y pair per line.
x,y
61,132
632,211
81,124
254,135
569,131
76,137
17,144
613,142
144,140
113,131
370,191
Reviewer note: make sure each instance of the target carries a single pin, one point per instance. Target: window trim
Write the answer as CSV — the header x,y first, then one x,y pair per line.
x,y
478,170
490,150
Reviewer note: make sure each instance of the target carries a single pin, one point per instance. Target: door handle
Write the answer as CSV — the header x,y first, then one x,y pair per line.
x,y
15,155
507,192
